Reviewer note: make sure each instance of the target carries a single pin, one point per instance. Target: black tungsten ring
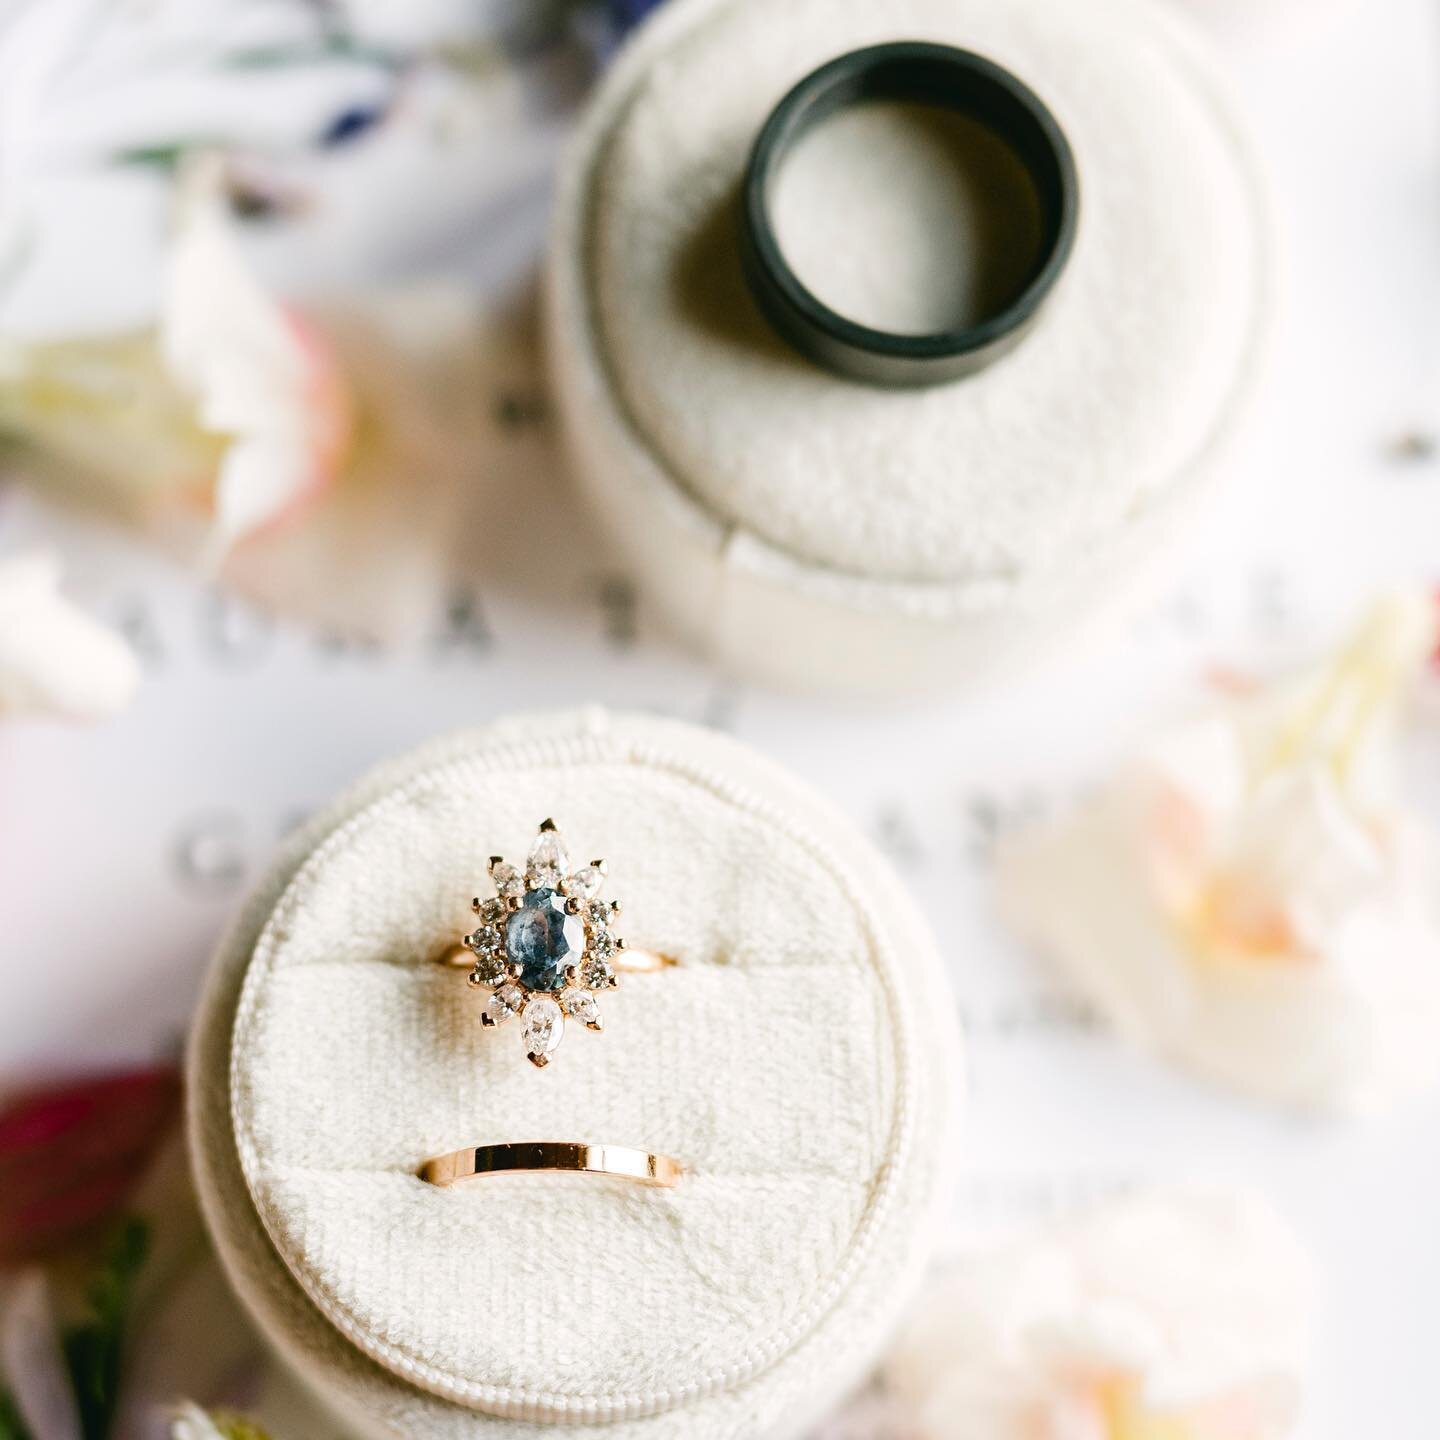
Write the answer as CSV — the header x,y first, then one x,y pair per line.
x,y
938,75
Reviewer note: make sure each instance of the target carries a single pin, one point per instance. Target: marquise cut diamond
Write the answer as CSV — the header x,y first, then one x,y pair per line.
x,y
585,883
544,1026
505,1002
580,1005
549,862
508,881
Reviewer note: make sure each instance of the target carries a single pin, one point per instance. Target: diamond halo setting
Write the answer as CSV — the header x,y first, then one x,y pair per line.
x,y
545,945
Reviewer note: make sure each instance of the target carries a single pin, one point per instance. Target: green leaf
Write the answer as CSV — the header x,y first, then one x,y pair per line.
x,y
329,49
160,157
93,1349
12,1427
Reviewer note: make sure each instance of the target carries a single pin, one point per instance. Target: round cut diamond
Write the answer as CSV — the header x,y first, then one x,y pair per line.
x,y
486,940
492,912
543,940
598,973
544,1026
489,968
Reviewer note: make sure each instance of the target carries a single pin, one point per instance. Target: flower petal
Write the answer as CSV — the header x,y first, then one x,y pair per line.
x,y
1250,899
54,659
70,1156
258,376
1159,1315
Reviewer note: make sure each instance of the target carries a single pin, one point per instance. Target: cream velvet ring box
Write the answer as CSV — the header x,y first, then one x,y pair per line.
x,y
808,530
799,1061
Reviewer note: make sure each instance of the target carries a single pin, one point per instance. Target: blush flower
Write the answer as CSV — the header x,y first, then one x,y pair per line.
x,y
317,461
1170,1316
1251,898
223,420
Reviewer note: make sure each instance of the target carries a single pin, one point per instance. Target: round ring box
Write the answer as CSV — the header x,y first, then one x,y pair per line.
x,y
800,1061
808,530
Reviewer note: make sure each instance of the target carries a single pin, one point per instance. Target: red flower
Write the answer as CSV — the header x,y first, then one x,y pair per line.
x,y
70,1156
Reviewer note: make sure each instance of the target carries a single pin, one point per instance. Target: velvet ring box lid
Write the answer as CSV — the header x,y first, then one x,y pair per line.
x,y
795,1061
816,531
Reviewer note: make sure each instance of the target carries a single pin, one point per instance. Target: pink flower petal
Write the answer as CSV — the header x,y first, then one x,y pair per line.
x,y
70,1155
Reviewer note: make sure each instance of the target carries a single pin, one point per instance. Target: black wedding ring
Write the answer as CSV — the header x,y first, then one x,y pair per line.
x,y
923,73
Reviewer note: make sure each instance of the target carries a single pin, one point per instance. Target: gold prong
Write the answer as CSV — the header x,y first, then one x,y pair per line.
x,y
539,1061
512,902
614,907
601,866
487,1021
620,942
572,973
473,979
598,1023
547,824
572,906
513,969
496,860
475,904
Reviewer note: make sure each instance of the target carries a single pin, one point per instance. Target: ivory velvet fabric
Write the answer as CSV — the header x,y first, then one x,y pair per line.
x,y
788,1062
880,538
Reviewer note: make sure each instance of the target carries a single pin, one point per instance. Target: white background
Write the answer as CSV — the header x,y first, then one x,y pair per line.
x,y
124,849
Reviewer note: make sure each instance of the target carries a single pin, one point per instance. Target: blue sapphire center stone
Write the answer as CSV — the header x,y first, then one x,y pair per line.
x,y
542,939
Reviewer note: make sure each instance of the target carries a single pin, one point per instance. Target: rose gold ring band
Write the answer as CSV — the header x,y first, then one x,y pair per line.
x,y
628,962
552,1156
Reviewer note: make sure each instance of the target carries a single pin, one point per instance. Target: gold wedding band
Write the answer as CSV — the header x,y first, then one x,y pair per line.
x,y
552,1156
